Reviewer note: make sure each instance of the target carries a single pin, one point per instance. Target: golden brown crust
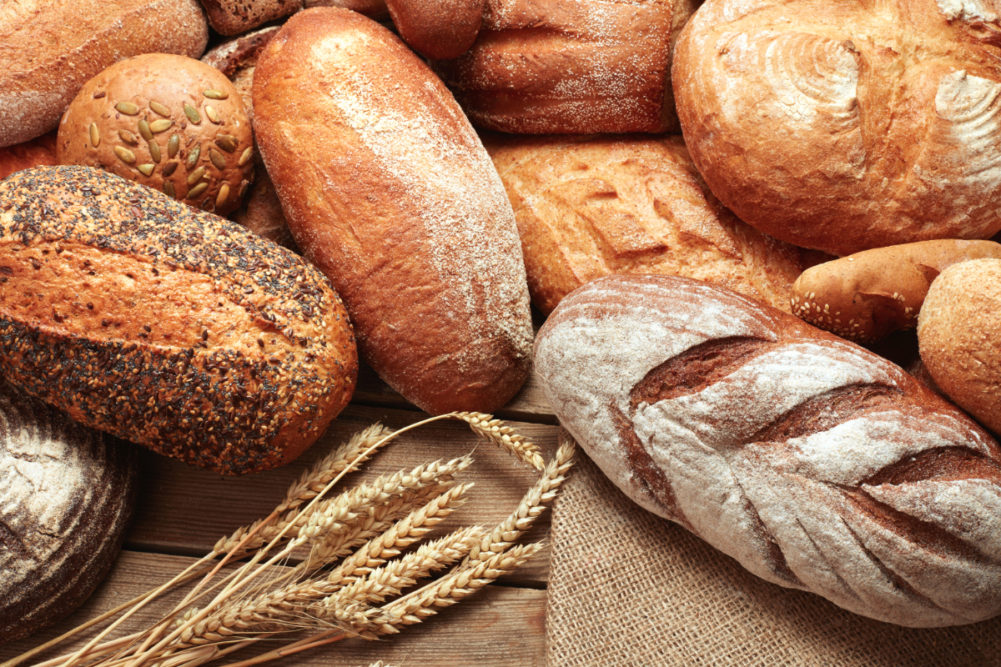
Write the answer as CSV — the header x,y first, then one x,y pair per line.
x,y
958,337
387,189
587,208
570,67
170,122
847,125
49,48
35,153
867,295
164,325
231,17
438,29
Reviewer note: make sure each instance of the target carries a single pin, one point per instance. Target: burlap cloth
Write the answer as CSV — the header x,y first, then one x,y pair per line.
x,y
628,588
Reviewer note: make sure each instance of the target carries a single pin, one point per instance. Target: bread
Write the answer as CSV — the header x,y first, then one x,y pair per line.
x,y
867,295
164,325
388,190
570,66
232,17
850,126
34,153
813,462
49,48
237,59
440,29
958,340
591,207
66,495
375,9
166,121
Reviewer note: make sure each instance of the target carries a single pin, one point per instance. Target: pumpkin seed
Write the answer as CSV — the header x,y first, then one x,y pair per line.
x,y
95,135
227,142
159,108
127,108
169,169
248,153
128,137
192,114
223,195
154,150
158,126
212,114
125,155
144,130
214,94
197,190
173,144
146,168
168,188
217,158
196,175
193,157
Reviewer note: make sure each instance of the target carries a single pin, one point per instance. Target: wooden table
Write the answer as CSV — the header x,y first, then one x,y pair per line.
x,y
182,511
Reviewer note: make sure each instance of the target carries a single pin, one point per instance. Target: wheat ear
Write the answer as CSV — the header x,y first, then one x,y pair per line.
x,y
501,434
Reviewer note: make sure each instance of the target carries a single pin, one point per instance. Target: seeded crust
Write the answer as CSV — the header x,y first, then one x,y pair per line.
x,y
164,325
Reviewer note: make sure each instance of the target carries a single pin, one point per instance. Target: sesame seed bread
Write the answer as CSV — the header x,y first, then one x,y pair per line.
x,y
958,339
844,126
867,295
49,48
164,325
815,463
388,190
438,29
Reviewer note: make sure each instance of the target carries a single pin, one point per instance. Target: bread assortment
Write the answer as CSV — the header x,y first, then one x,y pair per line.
x,y
813,462
388,190
587,208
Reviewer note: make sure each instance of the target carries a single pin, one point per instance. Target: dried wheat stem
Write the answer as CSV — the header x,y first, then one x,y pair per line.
x,y
503,435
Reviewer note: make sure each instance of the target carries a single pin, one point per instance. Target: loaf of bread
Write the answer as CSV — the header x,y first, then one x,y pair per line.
x,y
437,29
815,463
166,121
164,325
232,17
570,66
869,294
66,494
388,190
958,337
49,48
819,124
592,207
37,152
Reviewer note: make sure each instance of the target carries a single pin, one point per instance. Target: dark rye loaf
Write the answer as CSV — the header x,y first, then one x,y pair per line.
x,y
165,325
815,463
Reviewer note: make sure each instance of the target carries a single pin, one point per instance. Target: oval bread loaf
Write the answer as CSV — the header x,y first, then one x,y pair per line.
x,y
815,463
165,325
387,189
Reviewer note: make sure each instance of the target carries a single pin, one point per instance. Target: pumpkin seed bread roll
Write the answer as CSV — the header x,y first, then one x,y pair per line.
x,y
164,325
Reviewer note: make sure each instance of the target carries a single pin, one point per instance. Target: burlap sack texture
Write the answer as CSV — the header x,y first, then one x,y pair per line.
x,y
629,588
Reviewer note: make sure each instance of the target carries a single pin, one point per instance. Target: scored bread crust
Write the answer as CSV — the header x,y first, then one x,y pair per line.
x,y
50,48
164,325
387,188
815,463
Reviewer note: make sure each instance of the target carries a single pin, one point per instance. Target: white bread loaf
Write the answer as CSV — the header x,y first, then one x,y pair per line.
x,y
813,462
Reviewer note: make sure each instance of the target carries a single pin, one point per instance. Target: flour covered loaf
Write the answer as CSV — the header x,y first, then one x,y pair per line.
x,y
813,462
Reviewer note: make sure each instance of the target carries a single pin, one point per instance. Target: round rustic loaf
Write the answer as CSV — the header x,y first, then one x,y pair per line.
x,y
49,48
958,337
166,121
815,463
844,126
164,325
66,494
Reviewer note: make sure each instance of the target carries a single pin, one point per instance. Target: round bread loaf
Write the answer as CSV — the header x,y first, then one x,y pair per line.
x,y
958,337
66,494
49,48
867,295
34,153
164,325
844,126
166,121
438,29
388,190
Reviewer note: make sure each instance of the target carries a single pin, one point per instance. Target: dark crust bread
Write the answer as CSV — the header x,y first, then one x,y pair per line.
x,y
66,495
231,17
164,325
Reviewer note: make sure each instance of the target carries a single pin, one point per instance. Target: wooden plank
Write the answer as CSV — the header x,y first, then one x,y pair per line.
x,y
497,626
183,510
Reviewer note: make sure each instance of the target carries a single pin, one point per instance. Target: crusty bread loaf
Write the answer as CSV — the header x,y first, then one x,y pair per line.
x,y
571,66
167,121
232,17
846,126
813,462
49,48
66,495
387,188
867,295
438,29
958,337
35,153
591,207
165,325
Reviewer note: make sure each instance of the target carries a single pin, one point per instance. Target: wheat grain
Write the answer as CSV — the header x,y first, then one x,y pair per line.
x,y
507,438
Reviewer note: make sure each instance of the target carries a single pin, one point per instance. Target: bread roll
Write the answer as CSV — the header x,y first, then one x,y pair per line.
x,y
34,153
66,495
958,337
570,66
815,463
231,17
846,126
387,189
591,207
49,48
440,29
872,293
164,325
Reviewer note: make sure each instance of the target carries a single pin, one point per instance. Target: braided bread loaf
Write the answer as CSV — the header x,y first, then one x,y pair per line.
x,y
813,462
